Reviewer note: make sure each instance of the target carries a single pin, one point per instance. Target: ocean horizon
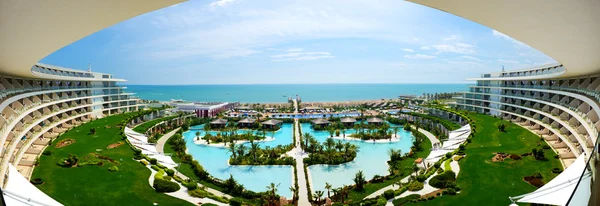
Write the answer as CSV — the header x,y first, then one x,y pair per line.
x,y
277,93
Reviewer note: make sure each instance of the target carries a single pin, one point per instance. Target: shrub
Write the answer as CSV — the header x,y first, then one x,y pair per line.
x,y
154,167
415,186
37,181
404,200
545,146
449,191
47,152
437,164
153,161
556,170
114,168
190,185
381,201
515,156
421,178
235,202
161,185
170,172
177,178
458,158
443,180
70,161
388,194
144,162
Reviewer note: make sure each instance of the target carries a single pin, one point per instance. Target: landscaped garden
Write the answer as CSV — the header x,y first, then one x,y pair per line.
x,y
90,171
483,180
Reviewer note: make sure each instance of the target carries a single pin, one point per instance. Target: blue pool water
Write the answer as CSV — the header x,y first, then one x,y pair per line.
x,y
314,115
371,159
256,178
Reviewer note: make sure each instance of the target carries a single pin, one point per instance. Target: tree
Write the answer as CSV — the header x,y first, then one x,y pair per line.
x,y
253,149
232,149
502,128
415,169
328,188
241,150
318,195
331,131
344,133
395,130
207,138
197,135
273,190
329,147
359,180
293,189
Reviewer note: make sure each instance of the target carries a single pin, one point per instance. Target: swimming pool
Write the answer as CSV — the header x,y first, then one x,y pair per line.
x,y
256,178
314,115
371,159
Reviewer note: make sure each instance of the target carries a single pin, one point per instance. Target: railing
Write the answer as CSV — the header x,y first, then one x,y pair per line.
x,y
580,189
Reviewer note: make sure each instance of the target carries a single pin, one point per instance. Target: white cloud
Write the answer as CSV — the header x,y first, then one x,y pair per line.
x,y
425,48
452,38
508,61
504,36
221,3
408,50
472,58
419,56
301,56
295,50
460,48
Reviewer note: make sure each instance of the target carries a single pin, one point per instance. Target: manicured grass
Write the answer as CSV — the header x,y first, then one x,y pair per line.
x,y
484,181
95,185
357,196
143,127
447,166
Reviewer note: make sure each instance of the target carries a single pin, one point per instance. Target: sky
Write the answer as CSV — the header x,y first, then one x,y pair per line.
x,y
297,42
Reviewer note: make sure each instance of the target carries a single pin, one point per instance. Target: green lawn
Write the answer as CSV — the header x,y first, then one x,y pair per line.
x,y
95,185
143,127
483,181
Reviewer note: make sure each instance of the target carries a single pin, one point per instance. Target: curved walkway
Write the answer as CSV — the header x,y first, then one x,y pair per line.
x,y
160,144
434,141
182,193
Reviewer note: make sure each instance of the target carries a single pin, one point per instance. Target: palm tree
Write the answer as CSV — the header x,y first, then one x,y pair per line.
x,y
396,130
253,149
318,195
328,188
339,146
197,135
307,138
241,150
232,149
336,191
344,133
293,189
329,147
331,131
207,138
415,169
359,180
273,188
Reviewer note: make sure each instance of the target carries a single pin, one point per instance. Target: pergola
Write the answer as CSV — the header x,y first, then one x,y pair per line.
x,y
271,123
246,122
375,120
218,123
348,121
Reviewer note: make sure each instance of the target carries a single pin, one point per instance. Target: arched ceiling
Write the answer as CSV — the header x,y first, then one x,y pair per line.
x,y
32,29
568,31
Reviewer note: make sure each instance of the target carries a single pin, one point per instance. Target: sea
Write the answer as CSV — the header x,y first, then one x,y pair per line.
x,y
276,93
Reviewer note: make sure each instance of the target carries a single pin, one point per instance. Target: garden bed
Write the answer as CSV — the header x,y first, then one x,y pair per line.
x,y
65,142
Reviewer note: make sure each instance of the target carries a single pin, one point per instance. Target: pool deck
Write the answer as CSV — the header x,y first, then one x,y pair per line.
x,y
299,156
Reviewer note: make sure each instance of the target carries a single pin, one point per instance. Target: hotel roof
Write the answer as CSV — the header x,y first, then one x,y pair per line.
x,y
348,120
320,121
374,120
247,121
219,121
272,122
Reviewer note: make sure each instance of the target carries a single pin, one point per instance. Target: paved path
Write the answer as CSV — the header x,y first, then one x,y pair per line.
x,y
182,193
295,105
160,144
431,138
299,156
